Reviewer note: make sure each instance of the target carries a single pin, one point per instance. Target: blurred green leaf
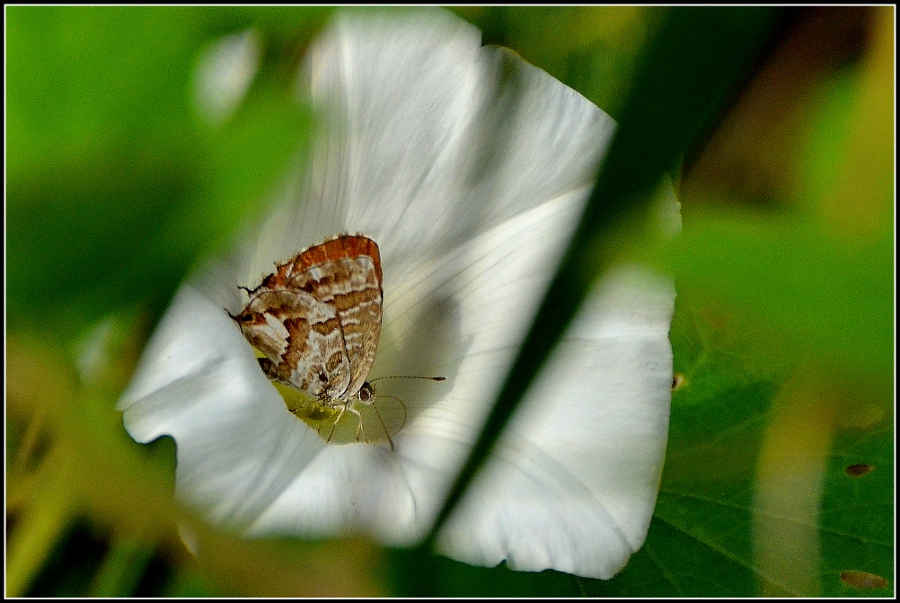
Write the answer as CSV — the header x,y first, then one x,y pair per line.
x,y
828,121
817,295
68,570
114,186
123,567
187,582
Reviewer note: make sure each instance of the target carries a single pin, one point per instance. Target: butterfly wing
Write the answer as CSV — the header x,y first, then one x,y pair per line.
x,y
345,275
301,336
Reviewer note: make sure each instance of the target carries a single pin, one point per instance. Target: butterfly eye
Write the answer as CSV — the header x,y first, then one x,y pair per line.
x,y
365,392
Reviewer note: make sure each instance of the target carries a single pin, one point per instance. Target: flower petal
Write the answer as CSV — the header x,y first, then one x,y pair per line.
x,y
198,381
428,139
573,481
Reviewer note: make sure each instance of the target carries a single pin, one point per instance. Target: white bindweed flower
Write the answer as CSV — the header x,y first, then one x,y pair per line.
x,y
469,168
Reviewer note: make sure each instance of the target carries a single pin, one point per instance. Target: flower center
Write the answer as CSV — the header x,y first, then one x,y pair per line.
x,y
338,422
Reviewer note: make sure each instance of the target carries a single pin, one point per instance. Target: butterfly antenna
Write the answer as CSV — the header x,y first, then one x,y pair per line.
x,y
407,377
403,406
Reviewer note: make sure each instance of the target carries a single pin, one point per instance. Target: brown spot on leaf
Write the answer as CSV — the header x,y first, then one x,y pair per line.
x,y
678,381
858,470
858,579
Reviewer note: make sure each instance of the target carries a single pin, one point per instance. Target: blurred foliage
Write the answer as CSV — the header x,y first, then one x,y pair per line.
x,y
782,423
120,182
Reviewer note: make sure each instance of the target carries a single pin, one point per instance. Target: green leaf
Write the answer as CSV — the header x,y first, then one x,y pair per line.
x,y
114,186
858,509
123,567
803,288
706,538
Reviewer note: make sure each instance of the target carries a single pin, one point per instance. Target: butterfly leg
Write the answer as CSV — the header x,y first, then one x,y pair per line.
x,y
334,425
359,426
361,429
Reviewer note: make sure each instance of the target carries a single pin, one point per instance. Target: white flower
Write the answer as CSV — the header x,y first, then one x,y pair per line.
x,y
469,168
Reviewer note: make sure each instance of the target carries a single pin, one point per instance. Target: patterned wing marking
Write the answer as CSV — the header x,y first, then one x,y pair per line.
x,y
352,287
301,337
318,317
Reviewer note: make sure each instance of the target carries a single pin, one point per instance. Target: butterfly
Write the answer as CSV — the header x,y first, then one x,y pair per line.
x,y
317,319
